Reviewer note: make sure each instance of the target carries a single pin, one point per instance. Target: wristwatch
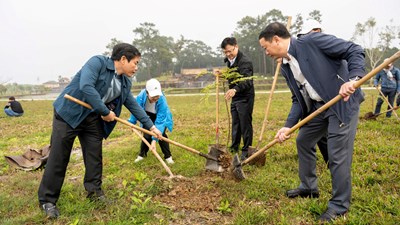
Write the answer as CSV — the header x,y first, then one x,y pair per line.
x,y
355,78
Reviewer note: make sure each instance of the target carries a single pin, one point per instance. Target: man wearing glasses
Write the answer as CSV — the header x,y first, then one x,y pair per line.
x,y
242,95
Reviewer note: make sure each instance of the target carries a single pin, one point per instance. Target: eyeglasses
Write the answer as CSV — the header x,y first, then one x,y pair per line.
x,y
229,51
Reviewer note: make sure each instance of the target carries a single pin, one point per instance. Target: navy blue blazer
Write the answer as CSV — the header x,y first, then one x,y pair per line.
x,y
321,57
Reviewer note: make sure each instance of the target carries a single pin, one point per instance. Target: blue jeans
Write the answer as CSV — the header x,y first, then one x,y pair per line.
x,y
9,112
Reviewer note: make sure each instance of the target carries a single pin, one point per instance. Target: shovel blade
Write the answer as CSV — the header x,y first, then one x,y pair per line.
x,y
369,115
259,161
215,151
237,170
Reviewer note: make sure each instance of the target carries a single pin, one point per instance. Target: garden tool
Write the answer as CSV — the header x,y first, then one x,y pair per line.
x,y
153,150
387,101
261,159
217,149
237,170
371,115
125,122
32,159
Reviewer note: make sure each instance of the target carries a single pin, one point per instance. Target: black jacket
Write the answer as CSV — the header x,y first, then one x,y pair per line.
x,y
16,107
244,89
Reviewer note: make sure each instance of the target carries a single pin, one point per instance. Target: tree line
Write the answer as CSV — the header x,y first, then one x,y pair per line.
x,y
163,55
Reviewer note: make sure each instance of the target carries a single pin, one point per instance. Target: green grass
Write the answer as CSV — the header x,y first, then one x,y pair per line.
x,y
142,195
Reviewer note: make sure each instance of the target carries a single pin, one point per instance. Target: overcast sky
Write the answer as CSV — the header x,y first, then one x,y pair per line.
x,y
42,39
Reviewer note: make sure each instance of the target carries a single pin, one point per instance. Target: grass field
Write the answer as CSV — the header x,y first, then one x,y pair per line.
x,y
142,194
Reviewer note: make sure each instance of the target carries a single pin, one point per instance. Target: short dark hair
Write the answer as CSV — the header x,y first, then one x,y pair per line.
x,y
273,29
11,98
228,41
124,49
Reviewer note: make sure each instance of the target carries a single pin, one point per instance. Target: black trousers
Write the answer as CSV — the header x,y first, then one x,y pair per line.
x,y
90,134
163,145
242,117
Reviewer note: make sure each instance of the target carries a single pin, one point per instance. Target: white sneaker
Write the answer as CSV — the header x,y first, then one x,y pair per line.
x,y
169,160
138,159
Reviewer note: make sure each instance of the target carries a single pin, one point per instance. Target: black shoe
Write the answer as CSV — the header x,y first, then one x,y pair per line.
x,y
98,197
51,210
330,215
304,193
233,150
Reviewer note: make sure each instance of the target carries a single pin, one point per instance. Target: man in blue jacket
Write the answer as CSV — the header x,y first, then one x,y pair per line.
x,y
153,101
105,84
312,69
389,78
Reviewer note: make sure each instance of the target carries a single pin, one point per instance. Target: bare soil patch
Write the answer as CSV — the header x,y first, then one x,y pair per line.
x,y
195,200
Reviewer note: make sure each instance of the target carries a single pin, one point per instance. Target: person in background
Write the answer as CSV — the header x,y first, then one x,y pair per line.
x,y
153,101
242,95
309,26
13,108
312,85
105,84
389,78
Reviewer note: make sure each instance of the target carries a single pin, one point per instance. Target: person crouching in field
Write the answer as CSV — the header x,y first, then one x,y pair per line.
x,y
13,108
105,84
153,101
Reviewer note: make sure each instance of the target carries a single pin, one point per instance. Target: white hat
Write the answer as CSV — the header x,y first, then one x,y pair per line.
x,y
308,26
153,87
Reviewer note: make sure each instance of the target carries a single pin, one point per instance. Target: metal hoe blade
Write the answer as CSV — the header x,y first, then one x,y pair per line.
x,y
237,168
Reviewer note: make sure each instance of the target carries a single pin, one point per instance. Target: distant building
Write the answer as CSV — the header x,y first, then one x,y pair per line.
x,y
51,84
196,71
56,86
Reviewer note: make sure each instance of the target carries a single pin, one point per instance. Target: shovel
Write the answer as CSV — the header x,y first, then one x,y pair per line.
x,y
217,149
371,115
387,101
125,122
237,165
261,159
153,150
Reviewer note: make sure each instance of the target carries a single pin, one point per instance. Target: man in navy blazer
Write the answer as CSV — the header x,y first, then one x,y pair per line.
x,y
312,67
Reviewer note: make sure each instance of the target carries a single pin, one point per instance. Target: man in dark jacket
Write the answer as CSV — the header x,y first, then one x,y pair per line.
x,y
312,69
13,107
242,95
105,84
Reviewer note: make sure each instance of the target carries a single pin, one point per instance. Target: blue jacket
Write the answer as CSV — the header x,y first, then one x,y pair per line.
x,y
386,83
90,84
321,58
164,115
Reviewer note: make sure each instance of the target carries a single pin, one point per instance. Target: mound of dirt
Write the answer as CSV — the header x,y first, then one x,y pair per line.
x,y
194,200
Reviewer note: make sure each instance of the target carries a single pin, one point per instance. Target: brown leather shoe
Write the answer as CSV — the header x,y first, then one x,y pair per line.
x,y
304,193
